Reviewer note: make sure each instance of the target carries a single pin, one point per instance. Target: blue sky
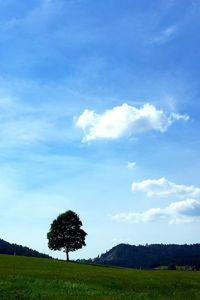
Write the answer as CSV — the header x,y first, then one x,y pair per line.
x,y
99,113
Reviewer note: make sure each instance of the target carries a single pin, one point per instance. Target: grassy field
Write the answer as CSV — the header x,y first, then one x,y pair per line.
x,y
35,278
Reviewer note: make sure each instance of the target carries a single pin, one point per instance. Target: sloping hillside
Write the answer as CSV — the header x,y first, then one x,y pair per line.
x,y
25,278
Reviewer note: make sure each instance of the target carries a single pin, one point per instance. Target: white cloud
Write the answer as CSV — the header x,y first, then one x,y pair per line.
x,y
163,188
131,164
186,211
164,35
125,120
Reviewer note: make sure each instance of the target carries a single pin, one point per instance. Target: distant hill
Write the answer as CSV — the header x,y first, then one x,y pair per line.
x,y
14,249
151,256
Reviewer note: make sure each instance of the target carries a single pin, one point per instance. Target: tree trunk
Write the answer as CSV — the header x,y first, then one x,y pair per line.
x,y
67,254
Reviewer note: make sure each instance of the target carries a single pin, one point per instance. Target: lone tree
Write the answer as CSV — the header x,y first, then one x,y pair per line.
x,y
66,233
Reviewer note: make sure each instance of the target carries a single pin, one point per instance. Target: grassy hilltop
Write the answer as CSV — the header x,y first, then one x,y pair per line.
x,y
38,278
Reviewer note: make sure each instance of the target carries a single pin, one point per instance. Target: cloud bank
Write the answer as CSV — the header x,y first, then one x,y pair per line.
x,y
124,121
186,211
164,188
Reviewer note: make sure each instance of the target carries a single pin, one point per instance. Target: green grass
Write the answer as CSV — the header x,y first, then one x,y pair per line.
x,y
35,279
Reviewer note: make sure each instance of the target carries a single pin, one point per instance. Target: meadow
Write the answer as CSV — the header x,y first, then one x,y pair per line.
x,y
39,278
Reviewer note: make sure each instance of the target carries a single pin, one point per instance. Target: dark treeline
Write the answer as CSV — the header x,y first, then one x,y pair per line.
x,y
14,249
151,256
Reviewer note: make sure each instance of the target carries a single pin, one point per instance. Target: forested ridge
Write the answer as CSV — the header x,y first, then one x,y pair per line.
x,y
14,249
151,256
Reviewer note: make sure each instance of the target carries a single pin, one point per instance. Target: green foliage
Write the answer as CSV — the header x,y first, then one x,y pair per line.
x,y
66,233
46,279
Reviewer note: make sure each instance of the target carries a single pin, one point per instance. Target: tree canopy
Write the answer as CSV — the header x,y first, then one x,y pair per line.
x,y
66,233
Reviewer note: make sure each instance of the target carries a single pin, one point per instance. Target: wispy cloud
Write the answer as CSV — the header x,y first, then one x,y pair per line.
x,y
164,188
131,164
164,35
26,119
124,121
186,211
33,16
